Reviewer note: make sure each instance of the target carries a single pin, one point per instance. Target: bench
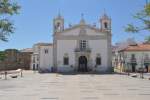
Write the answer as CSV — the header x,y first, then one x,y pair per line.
x,y
134,75
13,73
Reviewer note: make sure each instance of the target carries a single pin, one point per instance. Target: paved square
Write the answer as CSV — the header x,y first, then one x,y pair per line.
x,y
74,87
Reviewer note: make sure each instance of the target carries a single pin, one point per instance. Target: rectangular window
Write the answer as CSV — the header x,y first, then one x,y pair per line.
x,y
83,44
98,61
133,56
33,66
33,59
66,61
46,51
37,66
37,59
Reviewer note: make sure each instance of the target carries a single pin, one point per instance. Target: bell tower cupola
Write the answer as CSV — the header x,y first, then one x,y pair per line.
x,y
105,22
58,23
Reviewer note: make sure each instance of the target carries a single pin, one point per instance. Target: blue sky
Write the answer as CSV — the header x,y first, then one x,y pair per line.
x,y
34,23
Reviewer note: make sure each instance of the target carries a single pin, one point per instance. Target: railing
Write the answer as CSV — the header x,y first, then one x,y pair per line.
x,y
147,61
82,50
132,60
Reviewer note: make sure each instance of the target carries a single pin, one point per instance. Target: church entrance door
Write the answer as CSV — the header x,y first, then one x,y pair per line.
x,y
82,64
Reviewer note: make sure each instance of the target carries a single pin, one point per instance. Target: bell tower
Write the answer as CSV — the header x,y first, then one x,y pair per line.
x,y
105,22
58,24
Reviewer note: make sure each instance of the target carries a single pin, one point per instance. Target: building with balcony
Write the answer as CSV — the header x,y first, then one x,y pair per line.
x,y
77,48
135,57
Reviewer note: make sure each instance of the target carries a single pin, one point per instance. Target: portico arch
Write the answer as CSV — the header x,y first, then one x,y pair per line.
x,y
82,64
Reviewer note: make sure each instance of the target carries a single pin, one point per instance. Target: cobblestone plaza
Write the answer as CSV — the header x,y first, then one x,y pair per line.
x,y
35,86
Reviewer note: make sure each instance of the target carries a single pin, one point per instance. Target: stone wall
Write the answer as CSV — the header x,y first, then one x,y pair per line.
x,y
15,60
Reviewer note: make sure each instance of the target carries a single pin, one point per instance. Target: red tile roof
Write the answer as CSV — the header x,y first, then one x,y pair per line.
x,y
138,47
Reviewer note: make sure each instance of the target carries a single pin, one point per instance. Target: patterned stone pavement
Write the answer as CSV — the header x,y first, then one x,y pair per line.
x,y
74,87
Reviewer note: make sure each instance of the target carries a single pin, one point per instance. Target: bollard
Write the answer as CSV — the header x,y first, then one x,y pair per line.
x,y
5,73
21,72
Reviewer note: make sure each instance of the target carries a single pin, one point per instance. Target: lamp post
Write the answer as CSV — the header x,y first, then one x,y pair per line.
x,y
3,58
127,64
124,61
128,68
121,62
5,72
142,67
20,63
21,71
5,68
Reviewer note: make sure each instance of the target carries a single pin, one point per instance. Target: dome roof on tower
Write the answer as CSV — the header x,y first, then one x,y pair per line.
x,y
59,16
82,21
105,16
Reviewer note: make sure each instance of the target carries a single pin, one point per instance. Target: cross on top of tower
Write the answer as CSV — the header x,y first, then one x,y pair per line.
x,y
82,21
105,16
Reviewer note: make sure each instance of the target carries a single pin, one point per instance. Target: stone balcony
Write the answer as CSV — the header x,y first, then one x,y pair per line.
x,y
133,61
82,50
146,61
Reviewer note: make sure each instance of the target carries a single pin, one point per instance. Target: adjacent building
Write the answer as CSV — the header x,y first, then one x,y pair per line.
x,y
25,58
134,57
41,58
16,59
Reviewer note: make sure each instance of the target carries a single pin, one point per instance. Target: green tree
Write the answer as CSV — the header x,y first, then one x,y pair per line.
x,y
7,9
144,17
2,56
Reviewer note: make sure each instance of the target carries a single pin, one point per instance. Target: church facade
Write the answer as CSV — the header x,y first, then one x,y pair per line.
x,y
79,48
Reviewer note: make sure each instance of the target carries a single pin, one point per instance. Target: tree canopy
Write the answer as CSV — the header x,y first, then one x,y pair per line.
x,y
2,56
7,9
144,17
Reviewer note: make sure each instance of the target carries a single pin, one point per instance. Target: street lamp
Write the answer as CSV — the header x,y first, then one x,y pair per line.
x,y
124,61
5,68
128,68
21,71
20,63
127,64
3,58
142,67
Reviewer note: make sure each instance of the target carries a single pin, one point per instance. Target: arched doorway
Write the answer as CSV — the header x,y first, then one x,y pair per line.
x,y
82,67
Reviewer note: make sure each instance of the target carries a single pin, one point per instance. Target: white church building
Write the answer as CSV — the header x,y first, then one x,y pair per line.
x,y
79,48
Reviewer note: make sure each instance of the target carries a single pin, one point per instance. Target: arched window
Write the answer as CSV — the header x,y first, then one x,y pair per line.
x,y
106,25
46,51
98,59
66,59
58,26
